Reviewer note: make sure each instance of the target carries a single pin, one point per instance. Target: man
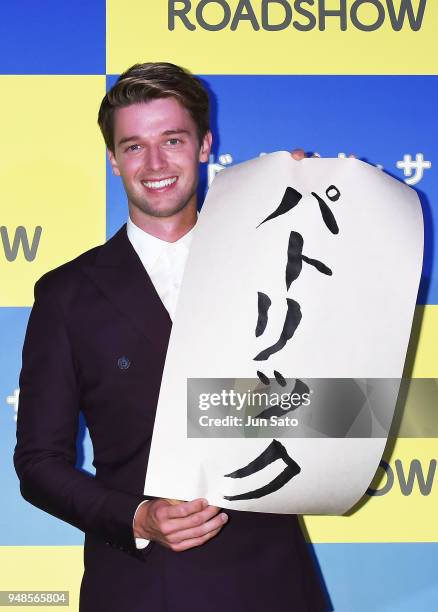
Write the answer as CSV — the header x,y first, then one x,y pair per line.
x,y
96,341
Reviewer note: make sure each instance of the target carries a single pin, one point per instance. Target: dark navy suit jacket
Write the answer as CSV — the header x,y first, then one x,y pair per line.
x,y
87,315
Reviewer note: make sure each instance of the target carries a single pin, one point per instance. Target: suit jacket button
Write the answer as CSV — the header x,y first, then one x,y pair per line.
x,y
123,363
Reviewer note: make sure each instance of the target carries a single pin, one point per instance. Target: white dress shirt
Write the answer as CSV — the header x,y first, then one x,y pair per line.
x,y
165,263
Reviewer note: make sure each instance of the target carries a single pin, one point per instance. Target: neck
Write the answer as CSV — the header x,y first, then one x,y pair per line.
x,y
170,228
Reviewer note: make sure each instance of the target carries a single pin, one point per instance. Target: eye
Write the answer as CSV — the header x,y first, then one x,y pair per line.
x,y
133,148
173,141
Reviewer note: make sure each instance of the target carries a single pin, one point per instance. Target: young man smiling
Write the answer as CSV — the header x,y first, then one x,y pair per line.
x,y
158,161
96,342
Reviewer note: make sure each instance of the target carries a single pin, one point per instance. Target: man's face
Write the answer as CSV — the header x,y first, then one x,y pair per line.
x,y
157,154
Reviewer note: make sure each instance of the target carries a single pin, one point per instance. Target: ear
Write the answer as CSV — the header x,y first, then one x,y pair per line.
x,y
204,152
113,162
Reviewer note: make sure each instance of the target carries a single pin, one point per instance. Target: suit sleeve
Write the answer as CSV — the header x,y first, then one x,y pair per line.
x,y
47,425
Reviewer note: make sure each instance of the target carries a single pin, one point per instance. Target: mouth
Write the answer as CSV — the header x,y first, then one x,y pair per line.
x,y
163,184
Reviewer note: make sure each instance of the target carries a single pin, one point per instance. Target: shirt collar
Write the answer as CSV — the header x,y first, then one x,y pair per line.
x,y
150,247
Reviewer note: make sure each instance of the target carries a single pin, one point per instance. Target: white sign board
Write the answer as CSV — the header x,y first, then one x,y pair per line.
x,y
301,283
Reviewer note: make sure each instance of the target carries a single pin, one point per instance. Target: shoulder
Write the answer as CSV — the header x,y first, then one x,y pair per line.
x,y
65,278
64,283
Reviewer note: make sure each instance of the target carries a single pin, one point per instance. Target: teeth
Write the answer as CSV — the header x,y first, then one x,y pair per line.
x,y
159,184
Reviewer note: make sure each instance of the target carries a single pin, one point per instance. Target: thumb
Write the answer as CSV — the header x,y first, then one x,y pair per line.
x,y
172,502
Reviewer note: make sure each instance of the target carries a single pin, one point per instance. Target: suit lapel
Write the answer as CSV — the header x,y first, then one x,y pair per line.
x,y
120,275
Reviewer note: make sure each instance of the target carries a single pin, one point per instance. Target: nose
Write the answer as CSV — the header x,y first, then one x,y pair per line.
x,y
155,159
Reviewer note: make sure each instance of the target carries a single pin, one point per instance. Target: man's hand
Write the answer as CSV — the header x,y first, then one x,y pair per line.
x,y
299,154
178,525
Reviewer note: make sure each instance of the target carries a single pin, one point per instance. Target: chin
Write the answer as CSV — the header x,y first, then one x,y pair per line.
x,y
162,211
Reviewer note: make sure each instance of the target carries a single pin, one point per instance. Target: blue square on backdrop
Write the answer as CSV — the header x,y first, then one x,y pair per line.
x,y
53,37
40,529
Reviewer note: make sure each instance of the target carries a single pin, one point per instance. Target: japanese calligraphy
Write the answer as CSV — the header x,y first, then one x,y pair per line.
x,y
294,265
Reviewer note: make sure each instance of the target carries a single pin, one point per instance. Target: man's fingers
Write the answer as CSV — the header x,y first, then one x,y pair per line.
x,y
298,154
186,544
173,502
185,508
214,524
187,522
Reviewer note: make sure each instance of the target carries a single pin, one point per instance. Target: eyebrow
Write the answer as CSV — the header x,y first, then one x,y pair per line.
x,y
165,133
127,139
178,131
